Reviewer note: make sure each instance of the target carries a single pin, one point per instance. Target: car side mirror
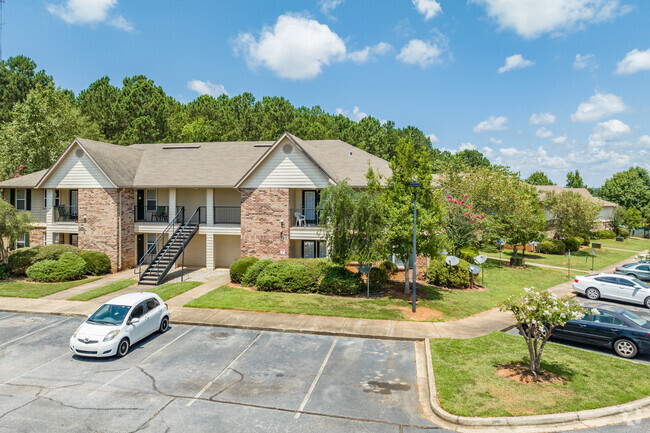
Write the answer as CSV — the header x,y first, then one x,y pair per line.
x,y
134,320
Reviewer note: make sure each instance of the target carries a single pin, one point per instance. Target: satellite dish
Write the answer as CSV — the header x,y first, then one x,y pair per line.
x,y
534,243
452,260
365,270
474,269
500,242
480,259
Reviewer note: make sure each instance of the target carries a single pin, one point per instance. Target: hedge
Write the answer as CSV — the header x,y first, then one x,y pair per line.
x,y
605,234
4,271
21,259
250,276
624,233
285,276
552,246
573,243
54,252
440,274
378,279
69,267
340,281
97,263
239,268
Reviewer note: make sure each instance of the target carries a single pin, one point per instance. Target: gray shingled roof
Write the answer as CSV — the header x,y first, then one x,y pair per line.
x,y
543,189
119,163
25,181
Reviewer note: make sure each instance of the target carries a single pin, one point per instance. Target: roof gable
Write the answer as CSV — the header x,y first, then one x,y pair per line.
x,y
75,168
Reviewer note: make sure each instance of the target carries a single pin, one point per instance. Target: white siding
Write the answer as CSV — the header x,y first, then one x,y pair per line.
x,y
77,172
282,170
37,205
227,249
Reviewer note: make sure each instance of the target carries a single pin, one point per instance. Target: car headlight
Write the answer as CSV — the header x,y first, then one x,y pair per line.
x,y
111,335
75,332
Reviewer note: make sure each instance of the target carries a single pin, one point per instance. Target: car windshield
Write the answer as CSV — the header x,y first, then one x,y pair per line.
x,y
633,317
629,265
109,314
640,283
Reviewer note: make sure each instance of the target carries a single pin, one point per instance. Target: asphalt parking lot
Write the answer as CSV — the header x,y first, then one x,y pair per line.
x,y
194,379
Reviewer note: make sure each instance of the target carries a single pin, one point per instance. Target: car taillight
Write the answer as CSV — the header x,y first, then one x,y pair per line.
x,y
576,280
166,305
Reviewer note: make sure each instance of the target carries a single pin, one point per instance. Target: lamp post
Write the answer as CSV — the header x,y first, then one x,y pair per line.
x,y
415,186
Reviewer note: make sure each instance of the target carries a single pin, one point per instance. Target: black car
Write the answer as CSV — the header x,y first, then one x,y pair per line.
x,y
608,326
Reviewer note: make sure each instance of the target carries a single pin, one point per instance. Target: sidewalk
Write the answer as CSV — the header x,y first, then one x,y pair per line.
x,y
111,278
473,326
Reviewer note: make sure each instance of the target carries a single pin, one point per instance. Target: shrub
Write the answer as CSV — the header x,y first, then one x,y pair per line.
x,y
316,268
585,241
624,233
54,252
439,274
96,263
552,246
572,243
284,276
250,277
341,281
389,267
239,268
378,279
605,234
21,259
4,271
69,267
468,254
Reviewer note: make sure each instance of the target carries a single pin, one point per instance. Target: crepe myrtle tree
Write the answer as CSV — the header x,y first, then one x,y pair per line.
x,y
537,313
462,223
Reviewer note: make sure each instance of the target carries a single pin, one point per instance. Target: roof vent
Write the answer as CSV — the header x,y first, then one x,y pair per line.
x,y
350,153
79,153
262,145
287,148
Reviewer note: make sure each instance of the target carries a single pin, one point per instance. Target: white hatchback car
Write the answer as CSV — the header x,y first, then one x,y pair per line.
x,y
613,286
119,323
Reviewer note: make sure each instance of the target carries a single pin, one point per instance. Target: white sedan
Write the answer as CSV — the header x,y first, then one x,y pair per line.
x,y
613,286
119,323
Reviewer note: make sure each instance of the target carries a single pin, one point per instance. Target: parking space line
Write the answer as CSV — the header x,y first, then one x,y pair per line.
x,y
313,384
130,368
7,317
67,353
34,332
198,394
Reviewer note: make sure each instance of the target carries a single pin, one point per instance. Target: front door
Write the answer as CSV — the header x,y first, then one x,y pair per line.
x,y
140,205
140,247
310,204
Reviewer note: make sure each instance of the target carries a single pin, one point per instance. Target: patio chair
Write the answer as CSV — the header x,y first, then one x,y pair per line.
x,y
161,214
63,215
300,219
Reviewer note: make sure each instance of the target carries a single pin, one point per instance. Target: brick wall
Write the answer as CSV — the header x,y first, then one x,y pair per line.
x,y
36,236
100,231
262,233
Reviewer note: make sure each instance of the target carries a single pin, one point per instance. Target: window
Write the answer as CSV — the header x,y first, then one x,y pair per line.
x,y
57,197
22,241
624,282
44,238
610,280
152,200
137,311
308,249
607,318
322,249
645,268
21,199
74,239
152,303
151,242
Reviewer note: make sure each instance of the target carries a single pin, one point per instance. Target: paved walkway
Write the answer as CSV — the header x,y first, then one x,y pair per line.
x,y
473,326
111,278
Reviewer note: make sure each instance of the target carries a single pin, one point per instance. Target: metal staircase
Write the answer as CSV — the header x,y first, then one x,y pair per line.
x,y
161,260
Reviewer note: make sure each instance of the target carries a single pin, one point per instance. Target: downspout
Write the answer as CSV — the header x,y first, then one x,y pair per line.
x,y
119,234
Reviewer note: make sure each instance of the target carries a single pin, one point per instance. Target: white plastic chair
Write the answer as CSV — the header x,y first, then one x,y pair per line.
x,y
300,219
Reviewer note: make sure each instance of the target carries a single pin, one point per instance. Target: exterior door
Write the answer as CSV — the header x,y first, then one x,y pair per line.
x,y
140,247
140,205
74,202
308,249
310,206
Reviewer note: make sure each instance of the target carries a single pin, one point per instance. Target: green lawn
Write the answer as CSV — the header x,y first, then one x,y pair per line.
x,y
467,383
634,244
104,290
24,289
169,290
451,304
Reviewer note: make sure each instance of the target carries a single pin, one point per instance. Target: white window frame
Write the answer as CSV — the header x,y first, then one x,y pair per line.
x,y
22,241
23,200
44,199
44,238
57,198
147,199
150,240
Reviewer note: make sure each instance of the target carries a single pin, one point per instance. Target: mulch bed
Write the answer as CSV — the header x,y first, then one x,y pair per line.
x,y
521,373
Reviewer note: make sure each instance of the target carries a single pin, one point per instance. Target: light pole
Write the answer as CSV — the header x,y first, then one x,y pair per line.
x,y
415,186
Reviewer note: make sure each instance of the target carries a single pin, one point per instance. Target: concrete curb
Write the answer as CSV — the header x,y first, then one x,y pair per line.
x,y
528,421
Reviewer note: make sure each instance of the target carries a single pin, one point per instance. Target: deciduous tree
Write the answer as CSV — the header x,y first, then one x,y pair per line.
x,y
539,178
12,225
572,214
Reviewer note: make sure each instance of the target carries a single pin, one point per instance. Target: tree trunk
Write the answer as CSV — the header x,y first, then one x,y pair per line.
x,y
407,287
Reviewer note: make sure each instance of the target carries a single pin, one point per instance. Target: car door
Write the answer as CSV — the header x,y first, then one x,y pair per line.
x,y
627,290
153,315
643,272
574,330
603,328
607,286
138,330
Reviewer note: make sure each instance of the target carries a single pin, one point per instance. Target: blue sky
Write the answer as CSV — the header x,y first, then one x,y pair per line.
x,y
554,85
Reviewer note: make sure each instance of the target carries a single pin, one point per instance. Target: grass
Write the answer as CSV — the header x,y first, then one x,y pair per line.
x,y
169,290
634,244
465,374
24,289
104,290
452,304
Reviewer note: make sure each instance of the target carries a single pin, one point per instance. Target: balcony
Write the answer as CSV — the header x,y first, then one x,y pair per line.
x,y
305,217
160,215
66,214
227,214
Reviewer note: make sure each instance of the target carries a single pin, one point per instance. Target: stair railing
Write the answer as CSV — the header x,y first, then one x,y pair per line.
x,y
176,222
192,221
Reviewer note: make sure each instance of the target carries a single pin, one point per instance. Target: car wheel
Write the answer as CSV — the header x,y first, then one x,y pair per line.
x,y
625,348
123,348
647,302
592,293
164,325
631,275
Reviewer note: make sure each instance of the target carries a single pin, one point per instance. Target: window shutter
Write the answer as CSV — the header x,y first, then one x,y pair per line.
x,y
12,197
28,196
27,237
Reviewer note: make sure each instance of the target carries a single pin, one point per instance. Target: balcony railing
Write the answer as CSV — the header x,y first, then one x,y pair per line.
x,y
66,213
227,214
305,217
160,214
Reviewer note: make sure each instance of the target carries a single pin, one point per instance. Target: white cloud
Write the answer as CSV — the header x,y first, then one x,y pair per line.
x,y
516,61
496,141
644,140
533,18
466,146
90,12
542,119
559,139
487,151
588,61
327,6
296,47
508,151
550,161
428,8
356,114
598,106
206,88
370,53
419,52
492,124
543,133
434,138
608,131
633,62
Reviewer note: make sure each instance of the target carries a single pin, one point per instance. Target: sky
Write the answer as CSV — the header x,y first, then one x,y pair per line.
x,y
551,85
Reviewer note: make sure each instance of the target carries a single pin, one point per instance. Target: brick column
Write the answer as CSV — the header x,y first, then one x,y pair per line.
x,y
265,222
